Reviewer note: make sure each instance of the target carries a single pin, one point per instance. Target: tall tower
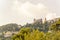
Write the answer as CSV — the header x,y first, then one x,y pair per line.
x,y
44,20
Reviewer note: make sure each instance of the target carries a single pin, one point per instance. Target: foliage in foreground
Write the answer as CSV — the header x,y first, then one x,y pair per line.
x,y
27,34
35,34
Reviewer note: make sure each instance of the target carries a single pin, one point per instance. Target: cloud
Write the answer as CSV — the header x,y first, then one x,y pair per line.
x,y
51,16
21,13
37,10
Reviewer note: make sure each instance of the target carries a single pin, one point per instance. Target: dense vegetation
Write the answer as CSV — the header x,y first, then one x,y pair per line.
x,y
9,27
12,27
28,33
34,31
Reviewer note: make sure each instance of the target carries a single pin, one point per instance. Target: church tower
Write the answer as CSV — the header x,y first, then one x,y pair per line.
x,y
44,20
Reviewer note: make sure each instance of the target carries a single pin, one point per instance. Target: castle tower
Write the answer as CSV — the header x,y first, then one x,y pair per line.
x,y
44,20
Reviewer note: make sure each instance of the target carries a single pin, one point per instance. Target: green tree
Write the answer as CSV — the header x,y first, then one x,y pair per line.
x,y
55,26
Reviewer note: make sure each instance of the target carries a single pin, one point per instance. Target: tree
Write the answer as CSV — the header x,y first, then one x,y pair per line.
x,y
21,34
55,26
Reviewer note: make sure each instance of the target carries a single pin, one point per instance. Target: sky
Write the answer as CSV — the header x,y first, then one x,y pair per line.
x,y
24,11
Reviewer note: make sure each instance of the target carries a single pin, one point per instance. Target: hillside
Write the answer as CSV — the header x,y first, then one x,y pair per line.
x,y
8,30
38,24
9,27
34,33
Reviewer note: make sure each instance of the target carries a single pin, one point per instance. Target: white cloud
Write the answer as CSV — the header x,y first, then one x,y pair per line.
x,y
51,16
37,10
21,13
